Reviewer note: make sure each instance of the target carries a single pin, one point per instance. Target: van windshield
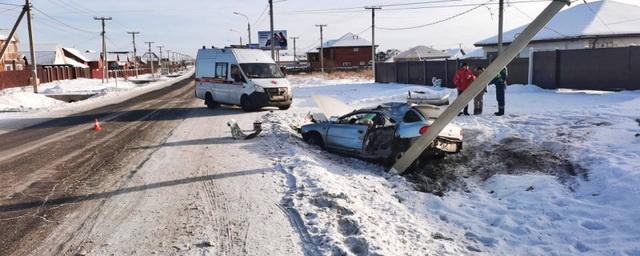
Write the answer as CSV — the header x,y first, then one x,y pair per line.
x,y
261,70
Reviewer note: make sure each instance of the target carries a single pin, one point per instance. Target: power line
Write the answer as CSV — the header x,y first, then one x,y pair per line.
x,y
62,23
438,21
525,14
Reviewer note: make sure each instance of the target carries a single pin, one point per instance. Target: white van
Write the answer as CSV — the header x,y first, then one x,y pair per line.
x,y
245,77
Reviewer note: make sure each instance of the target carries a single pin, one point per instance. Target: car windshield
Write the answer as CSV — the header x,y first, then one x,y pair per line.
x,y
261,70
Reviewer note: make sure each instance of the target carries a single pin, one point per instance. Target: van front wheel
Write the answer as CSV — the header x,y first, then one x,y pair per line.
x,y
246,104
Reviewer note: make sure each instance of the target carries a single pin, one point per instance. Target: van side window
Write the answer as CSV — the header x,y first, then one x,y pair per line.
x,y
221,70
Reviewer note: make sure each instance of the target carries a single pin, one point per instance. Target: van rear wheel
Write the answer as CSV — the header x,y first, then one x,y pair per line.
x,y
285,107
208,100
246,104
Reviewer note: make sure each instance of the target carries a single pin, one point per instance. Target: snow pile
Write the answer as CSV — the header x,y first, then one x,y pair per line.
x,y
558,175
23,99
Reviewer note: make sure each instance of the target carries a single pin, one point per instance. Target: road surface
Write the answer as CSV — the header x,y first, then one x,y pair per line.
x,y
162,177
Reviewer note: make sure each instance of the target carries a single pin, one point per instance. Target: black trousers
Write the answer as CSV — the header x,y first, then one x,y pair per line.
x,y
466,107
500,89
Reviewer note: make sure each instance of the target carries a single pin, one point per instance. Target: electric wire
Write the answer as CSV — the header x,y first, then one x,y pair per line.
x,y
63,23
438,21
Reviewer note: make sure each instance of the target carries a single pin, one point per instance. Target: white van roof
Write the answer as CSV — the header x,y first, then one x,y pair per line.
x,y
241,55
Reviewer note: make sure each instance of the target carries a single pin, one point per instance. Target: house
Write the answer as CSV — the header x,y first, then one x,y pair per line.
x,y
95,59
150,56
421,53
347,52
600,24
51,55
12,59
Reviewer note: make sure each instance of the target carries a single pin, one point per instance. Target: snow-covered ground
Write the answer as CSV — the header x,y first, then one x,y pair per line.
x,y
20,107
558,175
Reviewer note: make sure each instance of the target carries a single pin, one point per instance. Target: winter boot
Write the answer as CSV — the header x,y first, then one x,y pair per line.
x,y
500,111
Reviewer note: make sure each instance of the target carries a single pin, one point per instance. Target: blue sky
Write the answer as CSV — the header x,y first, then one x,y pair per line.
x,y
187,25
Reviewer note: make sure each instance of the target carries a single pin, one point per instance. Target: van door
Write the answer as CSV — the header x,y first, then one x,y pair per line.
x,y
221,90
238,83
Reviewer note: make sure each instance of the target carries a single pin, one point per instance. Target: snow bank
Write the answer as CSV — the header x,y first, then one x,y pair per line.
x,y
23,99
20,107
586,203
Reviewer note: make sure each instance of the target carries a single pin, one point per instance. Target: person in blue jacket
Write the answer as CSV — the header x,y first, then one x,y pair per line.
x,y
500,81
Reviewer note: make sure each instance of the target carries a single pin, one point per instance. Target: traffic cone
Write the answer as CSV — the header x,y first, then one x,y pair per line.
x,y
96,125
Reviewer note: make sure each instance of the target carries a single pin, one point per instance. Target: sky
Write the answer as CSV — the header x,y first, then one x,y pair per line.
x,y
187,25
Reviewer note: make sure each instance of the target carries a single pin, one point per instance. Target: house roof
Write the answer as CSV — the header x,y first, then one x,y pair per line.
x,y
75,52
421,52
601,18
477,53
347,40
3,37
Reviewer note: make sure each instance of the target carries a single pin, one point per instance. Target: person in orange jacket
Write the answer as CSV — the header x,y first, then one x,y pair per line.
x,y
462,79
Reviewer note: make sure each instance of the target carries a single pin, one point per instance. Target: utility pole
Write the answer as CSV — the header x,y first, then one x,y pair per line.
x,y
34,67
248,24
500,27
150,58
294,47
273,45
135,56
105,62
160,62
478,85
168,63
373,37
321,26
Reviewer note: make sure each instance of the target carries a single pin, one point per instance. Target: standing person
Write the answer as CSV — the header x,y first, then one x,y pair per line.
x,y
477,101
501,86
462,79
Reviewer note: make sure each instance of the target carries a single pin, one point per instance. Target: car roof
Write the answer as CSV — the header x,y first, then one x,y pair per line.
x,y
394,110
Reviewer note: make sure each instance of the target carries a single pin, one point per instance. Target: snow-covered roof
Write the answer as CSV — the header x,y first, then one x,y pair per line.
x,y
601,18
95,56
477,53
348,40
76,52
421,52
456,53
3,37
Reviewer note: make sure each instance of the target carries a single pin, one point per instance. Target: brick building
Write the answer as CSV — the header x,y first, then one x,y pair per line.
x,y
12,59
347,52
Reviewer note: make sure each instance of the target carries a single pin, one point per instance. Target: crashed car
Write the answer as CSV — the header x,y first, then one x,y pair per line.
x,y
382,133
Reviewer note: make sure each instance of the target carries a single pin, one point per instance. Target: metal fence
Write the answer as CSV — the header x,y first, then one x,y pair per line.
x,y
587,69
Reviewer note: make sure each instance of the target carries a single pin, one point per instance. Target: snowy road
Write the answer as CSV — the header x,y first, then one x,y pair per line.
x,y
163,176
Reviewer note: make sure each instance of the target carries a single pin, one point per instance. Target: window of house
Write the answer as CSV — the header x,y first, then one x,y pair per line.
x,y
356,49
346,64
8,67
221,70
362,63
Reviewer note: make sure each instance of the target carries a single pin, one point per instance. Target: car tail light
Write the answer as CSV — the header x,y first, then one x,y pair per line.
x,y
424,130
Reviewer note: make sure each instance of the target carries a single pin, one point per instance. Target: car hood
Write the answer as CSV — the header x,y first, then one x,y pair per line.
x,y
271,82
331,107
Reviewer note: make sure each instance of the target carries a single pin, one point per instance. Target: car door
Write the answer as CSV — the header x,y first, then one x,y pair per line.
x,y
237,84
349,132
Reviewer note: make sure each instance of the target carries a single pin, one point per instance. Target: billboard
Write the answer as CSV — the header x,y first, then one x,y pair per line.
x,y
279,38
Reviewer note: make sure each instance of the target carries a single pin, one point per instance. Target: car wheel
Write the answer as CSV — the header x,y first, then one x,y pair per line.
x,y
246,104
285,107
313,139
208,100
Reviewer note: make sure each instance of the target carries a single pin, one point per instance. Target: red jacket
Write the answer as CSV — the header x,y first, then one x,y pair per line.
x,y
463,78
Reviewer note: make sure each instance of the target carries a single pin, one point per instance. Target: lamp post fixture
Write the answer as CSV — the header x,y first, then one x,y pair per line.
x,y
248,24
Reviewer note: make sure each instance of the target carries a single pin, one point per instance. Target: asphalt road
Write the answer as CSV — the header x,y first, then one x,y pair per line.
x,y
48,170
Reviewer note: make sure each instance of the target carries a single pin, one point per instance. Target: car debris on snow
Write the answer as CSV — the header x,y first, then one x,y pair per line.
x,y
239,134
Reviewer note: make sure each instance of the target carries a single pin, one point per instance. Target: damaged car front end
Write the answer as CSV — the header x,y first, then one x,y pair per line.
x,y
382,133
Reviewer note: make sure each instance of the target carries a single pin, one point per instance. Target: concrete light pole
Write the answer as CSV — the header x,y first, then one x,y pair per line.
x,y
105,60
248,25
321,26
373,37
